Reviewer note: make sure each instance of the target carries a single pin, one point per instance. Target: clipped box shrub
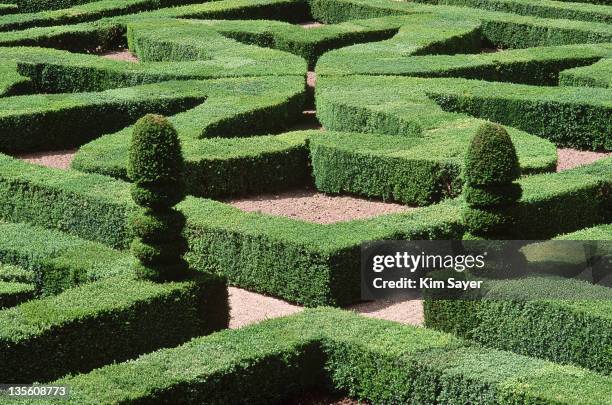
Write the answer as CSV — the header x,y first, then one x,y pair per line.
x,y
562,320
104,321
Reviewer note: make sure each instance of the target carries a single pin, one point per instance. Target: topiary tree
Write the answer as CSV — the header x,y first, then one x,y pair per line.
x,y
491,167
155,167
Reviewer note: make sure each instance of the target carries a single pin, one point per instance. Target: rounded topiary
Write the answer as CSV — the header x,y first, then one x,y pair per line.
x,y
492,195
491,166
155,167
491,157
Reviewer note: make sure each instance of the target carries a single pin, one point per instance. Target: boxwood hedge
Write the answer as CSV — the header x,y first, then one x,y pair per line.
x,y
373,360
563,320
302,262
109,320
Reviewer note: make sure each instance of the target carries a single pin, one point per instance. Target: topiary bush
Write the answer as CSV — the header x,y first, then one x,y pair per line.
x,y
155,167
491,166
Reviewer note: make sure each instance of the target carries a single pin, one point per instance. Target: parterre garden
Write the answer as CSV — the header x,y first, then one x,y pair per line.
x,y
402,87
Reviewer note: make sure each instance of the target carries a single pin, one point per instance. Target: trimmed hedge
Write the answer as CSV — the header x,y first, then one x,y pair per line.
x,y
29,6
14,293
11,82
413,170
82,12
563,320
109,320
597,75
536,66
57,261
12,273
600,232
539,8
373,360
340,162
302,262
61,121
568,116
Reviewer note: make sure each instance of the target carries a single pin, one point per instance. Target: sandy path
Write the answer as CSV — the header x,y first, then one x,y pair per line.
x,y
570,158
310,205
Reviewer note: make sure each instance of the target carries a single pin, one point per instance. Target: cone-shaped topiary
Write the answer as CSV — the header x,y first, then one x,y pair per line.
x,y
155,167
491,166
491,157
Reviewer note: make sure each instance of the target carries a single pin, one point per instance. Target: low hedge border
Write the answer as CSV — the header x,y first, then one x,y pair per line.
x,y
600,232
80,13
63,121
14,293
57,261
542,8
105,321
568,116
596,75
573,327
30,6
218,168
301,262
501,29
535,66
373,360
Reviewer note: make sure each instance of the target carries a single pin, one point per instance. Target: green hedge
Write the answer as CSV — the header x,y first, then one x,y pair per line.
x,y
109,320
83,12
11,82
29,6
536,66
568,116
57,261
14,293
553,204
59,121
373,360
340,162
563,320
600,232
414,170
301,262
597,75
17,274
539,8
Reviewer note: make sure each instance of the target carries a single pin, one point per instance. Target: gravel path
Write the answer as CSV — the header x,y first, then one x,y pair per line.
x,y
59,159
122,55
310,205
570,158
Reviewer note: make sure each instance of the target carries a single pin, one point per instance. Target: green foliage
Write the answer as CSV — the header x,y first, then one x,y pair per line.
x,y
67,120
55,261
13,293
373,360
491,166
491,157
542,8
104,321
155,167
155,155
596,75
492,195
563,320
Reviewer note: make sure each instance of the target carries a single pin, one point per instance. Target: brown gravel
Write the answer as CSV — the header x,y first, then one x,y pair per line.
x,y
248,307
311,79
310,24
406,311
310,205
122,55
59,159
570,158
